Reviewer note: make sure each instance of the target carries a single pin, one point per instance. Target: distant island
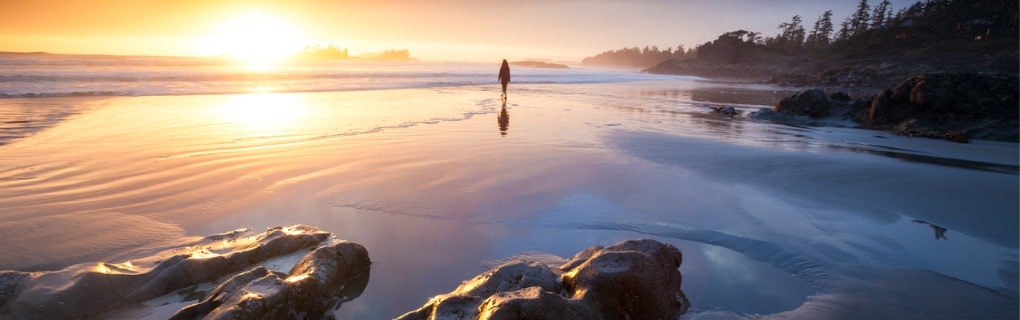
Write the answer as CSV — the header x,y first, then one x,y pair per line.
x,y
874,47
539,64
330,52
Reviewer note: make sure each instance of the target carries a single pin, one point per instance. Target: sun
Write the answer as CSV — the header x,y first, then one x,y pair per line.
x,y
256,39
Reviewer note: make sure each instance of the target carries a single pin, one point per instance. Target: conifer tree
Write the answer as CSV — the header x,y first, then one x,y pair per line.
x,y
858,22
878,17
825,28
792,36
844,31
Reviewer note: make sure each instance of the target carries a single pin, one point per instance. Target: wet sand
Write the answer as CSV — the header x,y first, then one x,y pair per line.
x,y
439,184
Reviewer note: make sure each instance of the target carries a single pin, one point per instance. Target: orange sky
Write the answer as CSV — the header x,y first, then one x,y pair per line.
x,y
435,30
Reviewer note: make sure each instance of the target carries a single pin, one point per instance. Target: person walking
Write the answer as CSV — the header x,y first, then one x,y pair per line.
x,y
504,76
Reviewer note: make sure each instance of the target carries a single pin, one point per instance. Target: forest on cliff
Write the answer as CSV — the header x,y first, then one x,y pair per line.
x,y
953,32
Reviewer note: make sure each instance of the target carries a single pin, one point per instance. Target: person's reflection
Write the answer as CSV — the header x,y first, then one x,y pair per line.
x,y
504,120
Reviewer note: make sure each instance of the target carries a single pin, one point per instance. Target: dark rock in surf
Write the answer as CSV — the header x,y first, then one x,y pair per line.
x,y
727,111
812,103
840,96
11,284
636,279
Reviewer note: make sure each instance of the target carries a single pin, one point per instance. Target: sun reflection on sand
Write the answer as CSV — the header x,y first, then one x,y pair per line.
x,y
264,111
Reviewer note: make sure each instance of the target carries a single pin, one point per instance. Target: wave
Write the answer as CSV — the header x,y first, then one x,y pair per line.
x,y
41,75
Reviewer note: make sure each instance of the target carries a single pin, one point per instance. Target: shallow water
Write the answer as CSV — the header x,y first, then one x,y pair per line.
x,y
784,221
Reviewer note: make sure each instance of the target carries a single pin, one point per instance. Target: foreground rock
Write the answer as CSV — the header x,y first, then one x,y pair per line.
x,y
246,290
953,106
637,279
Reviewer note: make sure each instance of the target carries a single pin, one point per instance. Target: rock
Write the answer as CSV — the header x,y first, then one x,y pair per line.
x,y
466,299
11,284
89,289
839,96
728,111
949,105
636,279
315,284
630,280
811,103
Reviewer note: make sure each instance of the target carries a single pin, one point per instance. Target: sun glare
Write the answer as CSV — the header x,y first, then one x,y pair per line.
x,y
263,112
256,39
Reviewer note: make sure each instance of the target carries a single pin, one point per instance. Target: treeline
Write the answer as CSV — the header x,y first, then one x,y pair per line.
x,y
870,30
395,55
882,27
638,58
327,52
331,52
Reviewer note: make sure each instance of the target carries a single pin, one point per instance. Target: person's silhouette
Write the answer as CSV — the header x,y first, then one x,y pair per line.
x,y
504,120
504,76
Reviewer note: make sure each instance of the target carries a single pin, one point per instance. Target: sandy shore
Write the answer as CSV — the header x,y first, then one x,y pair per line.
x,y
770,218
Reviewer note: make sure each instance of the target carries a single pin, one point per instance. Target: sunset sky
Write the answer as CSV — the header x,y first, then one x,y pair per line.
x,y
473,30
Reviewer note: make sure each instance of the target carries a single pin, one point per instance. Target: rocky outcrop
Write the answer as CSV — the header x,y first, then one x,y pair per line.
x,y
636,279
322,279
89,289
953,106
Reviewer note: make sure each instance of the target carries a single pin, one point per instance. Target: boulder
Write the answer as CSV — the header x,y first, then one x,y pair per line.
x,y
89,289
321,280
636,279
812,103
840,96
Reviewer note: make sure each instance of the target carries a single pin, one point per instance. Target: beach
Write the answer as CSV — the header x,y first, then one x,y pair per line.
x,y
440,182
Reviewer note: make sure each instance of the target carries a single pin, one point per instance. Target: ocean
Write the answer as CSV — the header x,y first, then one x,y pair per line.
x,y
57,75
108,159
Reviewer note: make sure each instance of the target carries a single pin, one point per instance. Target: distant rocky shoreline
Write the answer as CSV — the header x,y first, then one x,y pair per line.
x,y
539,64
839,75
963,98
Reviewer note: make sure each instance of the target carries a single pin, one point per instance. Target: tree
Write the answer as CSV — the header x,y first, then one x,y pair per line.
x,y
753,37
844,31
858,22
792,34
821,34
878,17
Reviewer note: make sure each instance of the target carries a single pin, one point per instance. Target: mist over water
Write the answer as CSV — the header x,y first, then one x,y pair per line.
x,y
50,75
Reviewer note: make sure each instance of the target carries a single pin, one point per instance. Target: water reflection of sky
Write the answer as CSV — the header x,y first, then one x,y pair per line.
x,y
767,216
